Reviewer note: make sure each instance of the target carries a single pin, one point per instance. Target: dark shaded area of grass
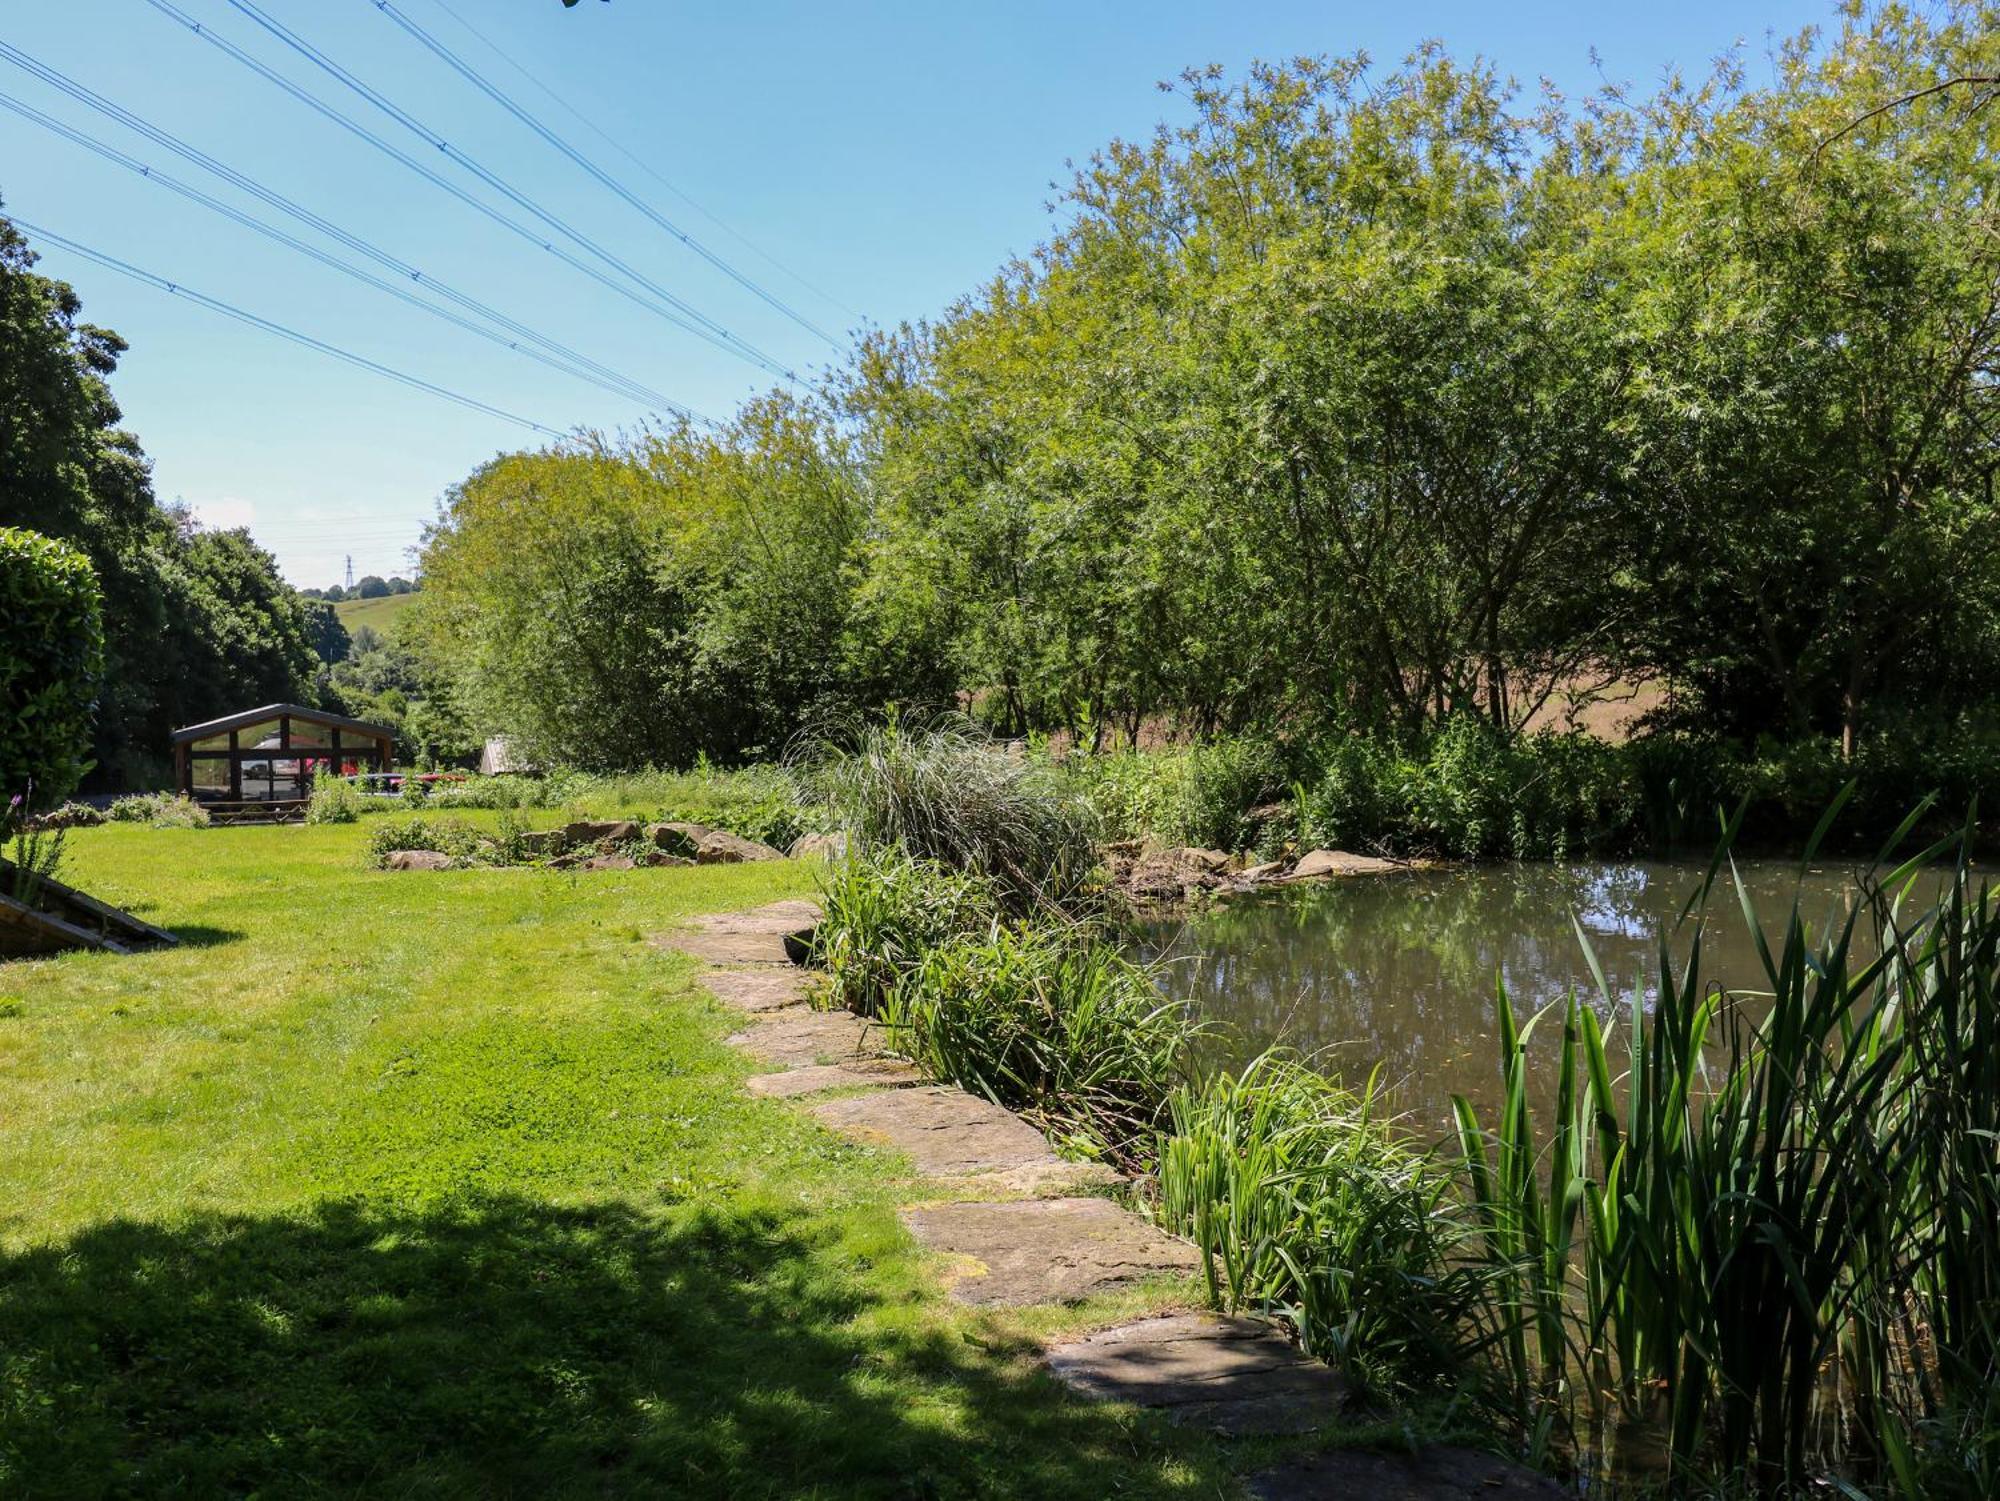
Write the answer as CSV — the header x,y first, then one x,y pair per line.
x,y
512,1347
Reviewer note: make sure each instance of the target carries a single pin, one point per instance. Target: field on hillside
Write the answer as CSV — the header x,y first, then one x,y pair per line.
x,y
428,1184
379,614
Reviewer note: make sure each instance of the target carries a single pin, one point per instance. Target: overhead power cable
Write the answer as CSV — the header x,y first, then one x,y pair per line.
x,y
230,310
255,189
566,360
493,180
492,91
637,160
514,226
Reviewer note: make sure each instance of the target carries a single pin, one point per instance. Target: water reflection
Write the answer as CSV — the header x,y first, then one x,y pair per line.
x,y
1400,970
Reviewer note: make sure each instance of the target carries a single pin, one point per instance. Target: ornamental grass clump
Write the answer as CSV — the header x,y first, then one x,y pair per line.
x,y
1305,1203
1050,1020
941,789
883,913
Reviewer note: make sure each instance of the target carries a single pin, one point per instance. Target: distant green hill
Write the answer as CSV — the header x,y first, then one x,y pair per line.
x,y
379,614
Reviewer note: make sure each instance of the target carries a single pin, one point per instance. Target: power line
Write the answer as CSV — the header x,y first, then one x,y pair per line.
x,y
514,195
257,190
479,81
608,380
230,310
514,226
640,162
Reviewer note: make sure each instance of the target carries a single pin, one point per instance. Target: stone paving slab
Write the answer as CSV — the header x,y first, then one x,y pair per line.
x,y
817,1078
771,934
1237,1376
764,989
946,1132
1445,1473
1044,1250
798,1037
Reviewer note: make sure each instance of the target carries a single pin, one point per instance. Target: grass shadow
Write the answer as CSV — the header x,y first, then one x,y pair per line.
x,y
200,936
512,1347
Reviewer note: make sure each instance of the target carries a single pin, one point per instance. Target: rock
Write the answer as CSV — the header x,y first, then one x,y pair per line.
x,y
798,1037
609,862
1442,1473
1321,864
946,1132
618,831
542,841
817,1078
1270,870
1044,1250
1234,1375
706,846
756,989
819,847
1214,862
417,860
655,858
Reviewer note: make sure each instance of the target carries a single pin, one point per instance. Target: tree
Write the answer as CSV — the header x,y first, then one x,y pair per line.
x,y
51,660
328,637
372,587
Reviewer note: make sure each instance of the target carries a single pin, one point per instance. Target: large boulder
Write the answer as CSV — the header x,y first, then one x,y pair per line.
x,y
1320,865
599,831
417,860
819,847
706,846
609,862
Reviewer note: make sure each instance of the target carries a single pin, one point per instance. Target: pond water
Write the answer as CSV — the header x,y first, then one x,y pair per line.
x,y
1399,970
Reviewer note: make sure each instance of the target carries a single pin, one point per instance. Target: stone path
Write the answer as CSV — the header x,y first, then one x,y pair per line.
x,y
1032,1239
1237,1376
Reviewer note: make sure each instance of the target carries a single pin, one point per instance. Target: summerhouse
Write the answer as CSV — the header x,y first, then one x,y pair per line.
x,y
262,762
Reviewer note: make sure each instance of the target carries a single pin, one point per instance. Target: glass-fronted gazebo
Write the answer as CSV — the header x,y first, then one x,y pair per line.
x,y
264,760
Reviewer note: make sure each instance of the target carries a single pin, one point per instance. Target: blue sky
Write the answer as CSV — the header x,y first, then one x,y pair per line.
x,y
890,155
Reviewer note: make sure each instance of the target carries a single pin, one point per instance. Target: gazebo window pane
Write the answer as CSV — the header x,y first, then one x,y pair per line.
x,y
258,736
211,743
211,775
304,732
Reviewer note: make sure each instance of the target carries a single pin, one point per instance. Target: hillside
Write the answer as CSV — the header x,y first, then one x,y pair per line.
x,y
380,614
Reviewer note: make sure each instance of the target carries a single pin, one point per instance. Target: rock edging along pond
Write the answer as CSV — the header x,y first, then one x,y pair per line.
x,y
1156,877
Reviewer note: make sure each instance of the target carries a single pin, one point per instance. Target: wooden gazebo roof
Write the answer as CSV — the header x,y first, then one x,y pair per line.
x,y
249,717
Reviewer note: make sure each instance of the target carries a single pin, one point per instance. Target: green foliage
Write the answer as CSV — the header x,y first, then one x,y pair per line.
x,y
941,790
883,913
333,800
446,836
159,810
51,655
1303,1203
1049,1019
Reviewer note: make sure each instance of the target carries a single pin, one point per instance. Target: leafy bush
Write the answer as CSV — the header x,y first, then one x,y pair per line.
x,y
162,810
883,913
333,800
1050,1020
51,657
73,816
943,790
1302,1202
447,836
757,802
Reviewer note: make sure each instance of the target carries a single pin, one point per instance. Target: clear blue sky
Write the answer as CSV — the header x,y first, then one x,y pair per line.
x,y
893,155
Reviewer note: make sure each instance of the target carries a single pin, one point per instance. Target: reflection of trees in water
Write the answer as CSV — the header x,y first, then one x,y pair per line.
x,y
1400,970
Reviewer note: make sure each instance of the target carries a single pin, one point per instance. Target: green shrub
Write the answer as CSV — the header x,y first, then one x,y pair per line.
x,y
1050,1020
1303,1203
160,810
943,791
333,800
51,657
447,836
883,913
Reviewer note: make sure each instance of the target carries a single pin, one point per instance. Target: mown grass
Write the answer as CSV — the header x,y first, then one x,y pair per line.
x,y
444,1184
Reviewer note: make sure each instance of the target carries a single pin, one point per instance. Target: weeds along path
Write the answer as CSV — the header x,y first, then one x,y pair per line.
x,y
1016,1225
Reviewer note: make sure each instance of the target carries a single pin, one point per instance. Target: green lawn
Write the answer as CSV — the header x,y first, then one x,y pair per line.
x,y
444,1185
379,613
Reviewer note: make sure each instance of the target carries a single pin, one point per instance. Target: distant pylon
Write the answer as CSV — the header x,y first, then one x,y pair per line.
x,y
350,570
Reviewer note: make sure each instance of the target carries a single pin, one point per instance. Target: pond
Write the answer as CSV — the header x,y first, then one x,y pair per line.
x,y
1399,970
